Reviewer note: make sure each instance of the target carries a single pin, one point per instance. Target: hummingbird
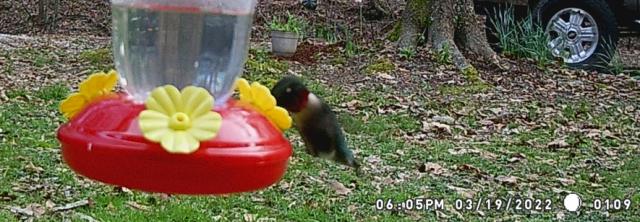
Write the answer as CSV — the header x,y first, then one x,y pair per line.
x,y
317,123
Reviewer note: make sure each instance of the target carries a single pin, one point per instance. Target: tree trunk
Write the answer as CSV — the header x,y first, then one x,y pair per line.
x,y
414,20
42,11
376,9
453,26
471,34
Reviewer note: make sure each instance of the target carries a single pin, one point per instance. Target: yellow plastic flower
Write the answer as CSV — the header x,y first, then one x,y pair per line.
x,y
260,97
179,120
97,86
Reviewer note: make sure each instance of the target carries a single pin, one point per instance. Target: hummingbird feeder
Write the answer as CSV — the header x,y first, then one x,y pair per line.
x,y
176,127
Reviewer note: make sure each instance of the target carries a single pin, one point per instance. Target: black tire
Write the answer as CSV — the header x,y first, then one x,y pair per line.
x,y
604,18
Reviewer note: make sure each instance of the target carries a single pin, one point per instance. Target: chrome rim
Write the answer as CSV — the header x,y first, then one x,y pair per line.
x,y
573,35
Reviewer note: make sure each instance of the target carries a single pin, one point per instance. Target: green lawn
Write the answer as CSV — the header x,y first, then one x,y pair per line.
x,y
33,172
396,148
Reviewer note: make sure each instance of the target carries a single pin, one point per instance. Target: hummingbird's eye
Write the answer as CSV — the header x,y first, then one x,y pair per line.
x,y
288,90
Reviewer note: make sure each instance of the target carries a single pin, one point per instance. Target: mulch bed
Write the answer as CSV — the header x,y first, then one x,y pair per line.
x,y
308,53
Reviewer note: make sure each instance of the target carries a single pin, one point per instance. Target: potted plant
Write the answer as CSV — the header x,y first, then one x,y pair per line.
x,y
285,35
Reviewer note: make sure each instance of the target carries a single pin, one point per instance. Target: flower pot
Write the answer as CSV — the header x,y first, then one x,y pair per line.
x,y
284,43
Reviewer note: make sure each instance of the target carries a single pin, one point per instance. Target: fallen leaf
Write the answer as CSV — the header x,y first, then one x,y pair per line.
x,y
549,161
432,168
137,206
469,167
496,111
49,204
441,214
86,217
507,180
110,207
559,191
426,126
33,168
339,188
533,177
595,178
162,196
386,76
249,217
593,133
37,209
19,210
73,205
413,215
513,159
443,119
488,155
558,143
462,151
353,104
560,215
609,134
6,196
123,189
610,152
516,158
352,208
464,192
566,181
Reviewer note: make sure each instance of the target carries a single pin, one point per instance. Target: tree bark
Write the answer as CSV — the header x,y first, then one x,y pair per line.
x,y
376,9
414,20
42,11
453,26
472,35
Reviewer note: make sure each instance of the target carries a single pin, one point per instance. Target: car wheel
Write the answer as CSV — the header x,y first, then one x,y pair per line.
x,y
582,33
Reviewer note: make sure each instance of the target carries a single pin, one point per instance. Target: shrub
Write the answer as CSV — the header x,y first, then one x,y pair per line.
x,y
292,24
521,39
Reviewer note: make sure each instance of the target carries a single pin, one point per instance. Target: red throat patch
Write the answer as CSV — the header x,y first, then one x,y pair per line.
x,y
303,99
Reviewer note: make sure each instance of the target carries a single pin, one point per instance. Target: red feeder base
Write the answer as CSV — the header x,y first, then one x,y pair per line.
x,y
104,143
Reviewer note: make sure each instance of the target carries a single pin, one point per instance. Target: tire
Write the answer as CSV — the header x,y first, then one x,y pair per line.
x,y
605,39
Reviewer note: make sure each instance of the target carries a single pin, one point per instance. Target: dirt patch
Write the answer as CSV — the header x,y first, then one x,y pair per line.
x,y
63,17
308,53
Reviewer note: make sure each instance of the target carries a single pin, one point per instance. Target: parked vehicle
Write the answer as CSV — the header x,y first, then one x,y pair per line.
x,y
579,30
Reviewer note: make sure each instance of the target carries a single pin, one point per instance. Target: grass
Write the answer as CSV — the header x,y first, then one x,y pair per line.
x,y
37,58
98,59
291,24
521,38
472,88
380,66
29,130
263,68
407,53
443,56
28,123
351,47
327,33
610,60
8,67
